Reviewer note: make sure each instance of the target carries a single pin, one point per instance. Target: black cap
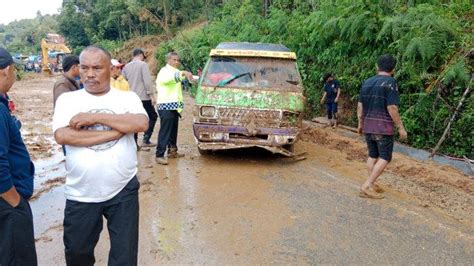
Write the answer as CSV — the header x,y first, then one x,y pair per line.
x,y
6,58
69,61
138,51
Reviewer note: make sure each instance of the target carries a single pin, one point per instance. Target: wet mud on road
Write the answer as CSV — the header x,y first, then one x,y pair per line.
x,y
253,207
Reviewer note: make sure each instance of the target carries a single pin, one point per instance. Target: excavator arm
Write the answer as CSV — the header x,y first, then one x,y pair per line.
x,y
53,42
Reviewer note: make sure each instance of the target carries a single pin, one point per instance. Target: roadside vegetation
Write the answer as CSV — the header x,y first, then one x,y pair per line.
x,y
432,40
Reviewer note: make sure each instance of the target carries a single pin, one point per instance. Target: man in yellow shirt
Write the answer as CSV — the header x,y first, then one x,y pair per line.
x,y
117,81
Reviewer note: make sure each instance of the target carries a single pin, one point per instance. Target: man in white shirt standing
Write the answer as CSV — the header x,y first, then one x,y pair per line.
x,y
97,126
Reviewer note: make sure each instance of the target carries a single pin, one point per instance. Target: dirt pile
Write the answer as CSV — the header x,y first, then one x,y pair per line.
x,y
148,44
326,138
432,184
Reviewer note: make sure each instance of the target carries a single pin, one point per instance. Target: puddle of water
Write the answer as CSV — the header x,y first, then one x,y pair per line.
x,y
48,210
48,207
49,169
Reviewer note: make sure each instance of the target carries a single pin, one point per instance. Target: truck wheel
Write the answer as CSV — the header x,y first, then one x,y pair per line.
x,y
290,147
204,152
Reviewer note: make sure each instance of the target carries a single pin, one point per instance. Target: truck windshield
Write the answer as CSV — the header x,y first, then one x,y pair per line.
x,y
252,72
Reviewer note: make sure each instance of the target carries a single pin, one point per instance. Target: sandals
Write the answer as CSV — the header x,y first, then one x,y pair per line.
x,y
377,188
370,194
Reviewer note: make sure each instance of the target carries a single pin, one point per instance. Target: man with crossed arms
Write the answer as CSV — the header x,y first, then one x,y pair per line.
x,y
97,126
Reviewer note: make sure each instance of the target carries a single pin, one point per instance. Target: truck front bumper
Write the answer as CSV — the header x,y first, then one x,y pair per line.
x,y
218,137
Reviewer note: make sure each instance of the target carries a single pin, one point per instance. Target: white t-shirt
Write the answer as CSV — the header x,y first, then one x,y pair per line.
x,y
99,172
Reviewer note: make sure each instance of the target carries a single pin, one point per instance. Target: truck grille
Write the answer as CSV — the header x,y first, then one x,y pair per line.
x,y
262,118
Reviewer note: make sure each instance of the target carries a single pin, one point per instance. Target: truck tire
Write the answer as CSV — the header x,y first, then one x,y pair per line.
x,y
290,147
204,152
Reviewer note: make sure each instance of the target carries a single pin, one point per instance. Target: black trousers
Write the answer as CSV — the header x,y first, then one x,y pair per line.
x,y
17,238
152,117
168,134
83,223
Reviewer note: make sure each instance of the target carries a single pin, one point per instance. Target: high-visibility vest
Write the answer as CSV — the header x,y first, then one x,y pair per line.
x,y
169,89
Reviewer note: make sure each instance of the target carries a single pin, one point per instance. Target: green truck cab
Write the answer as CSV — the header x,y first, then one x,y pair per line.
x,y
249,95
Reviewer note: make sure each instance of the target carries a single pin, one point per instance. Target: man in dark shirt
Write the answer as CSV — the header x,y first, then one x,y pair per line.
x,y
377,112
332,91
68,81
17,242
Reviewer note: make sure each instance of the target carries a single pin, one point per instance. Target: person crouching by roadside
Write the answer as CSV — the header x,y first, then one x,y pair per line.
x,y
17,239
377,112
117,80
332,91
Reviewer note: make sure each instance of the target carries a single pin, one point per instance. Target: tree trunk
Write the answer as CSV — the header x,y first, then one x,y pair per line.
x,y
163,22
266,7
448,127
166,18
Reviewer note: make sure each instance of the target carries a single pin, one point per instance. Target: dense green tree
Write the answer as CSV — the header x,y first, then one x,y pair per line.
x,y
119,20
72,24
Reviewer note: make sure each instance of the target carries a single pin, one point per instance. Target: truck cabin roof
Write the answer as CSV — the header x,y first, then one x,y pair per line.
x,y
252,46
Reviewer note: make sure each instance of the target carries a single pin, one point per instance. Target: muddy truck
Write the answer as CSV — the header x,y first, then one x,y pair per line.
x,y
249,95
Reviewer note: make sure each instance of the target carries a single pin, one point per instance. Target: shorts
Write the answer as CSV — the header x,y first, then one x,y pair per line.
x,y
331,109
380,146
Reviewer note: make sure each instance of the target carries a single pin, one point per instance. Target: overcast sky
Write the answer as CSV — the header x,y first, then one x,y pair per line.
x,y
19,9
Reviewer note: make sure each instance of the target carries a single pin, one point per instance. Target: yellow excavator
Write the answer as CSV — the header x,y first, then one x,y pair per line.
x,y
53,43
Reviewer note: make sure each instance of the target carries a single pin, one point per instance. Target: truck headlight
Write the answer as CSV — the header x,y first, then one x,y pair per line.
x,y
208,111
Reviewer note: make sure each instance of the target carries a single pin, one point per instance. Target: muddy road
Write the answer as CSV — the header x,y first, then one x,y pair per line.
x,y
252,207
